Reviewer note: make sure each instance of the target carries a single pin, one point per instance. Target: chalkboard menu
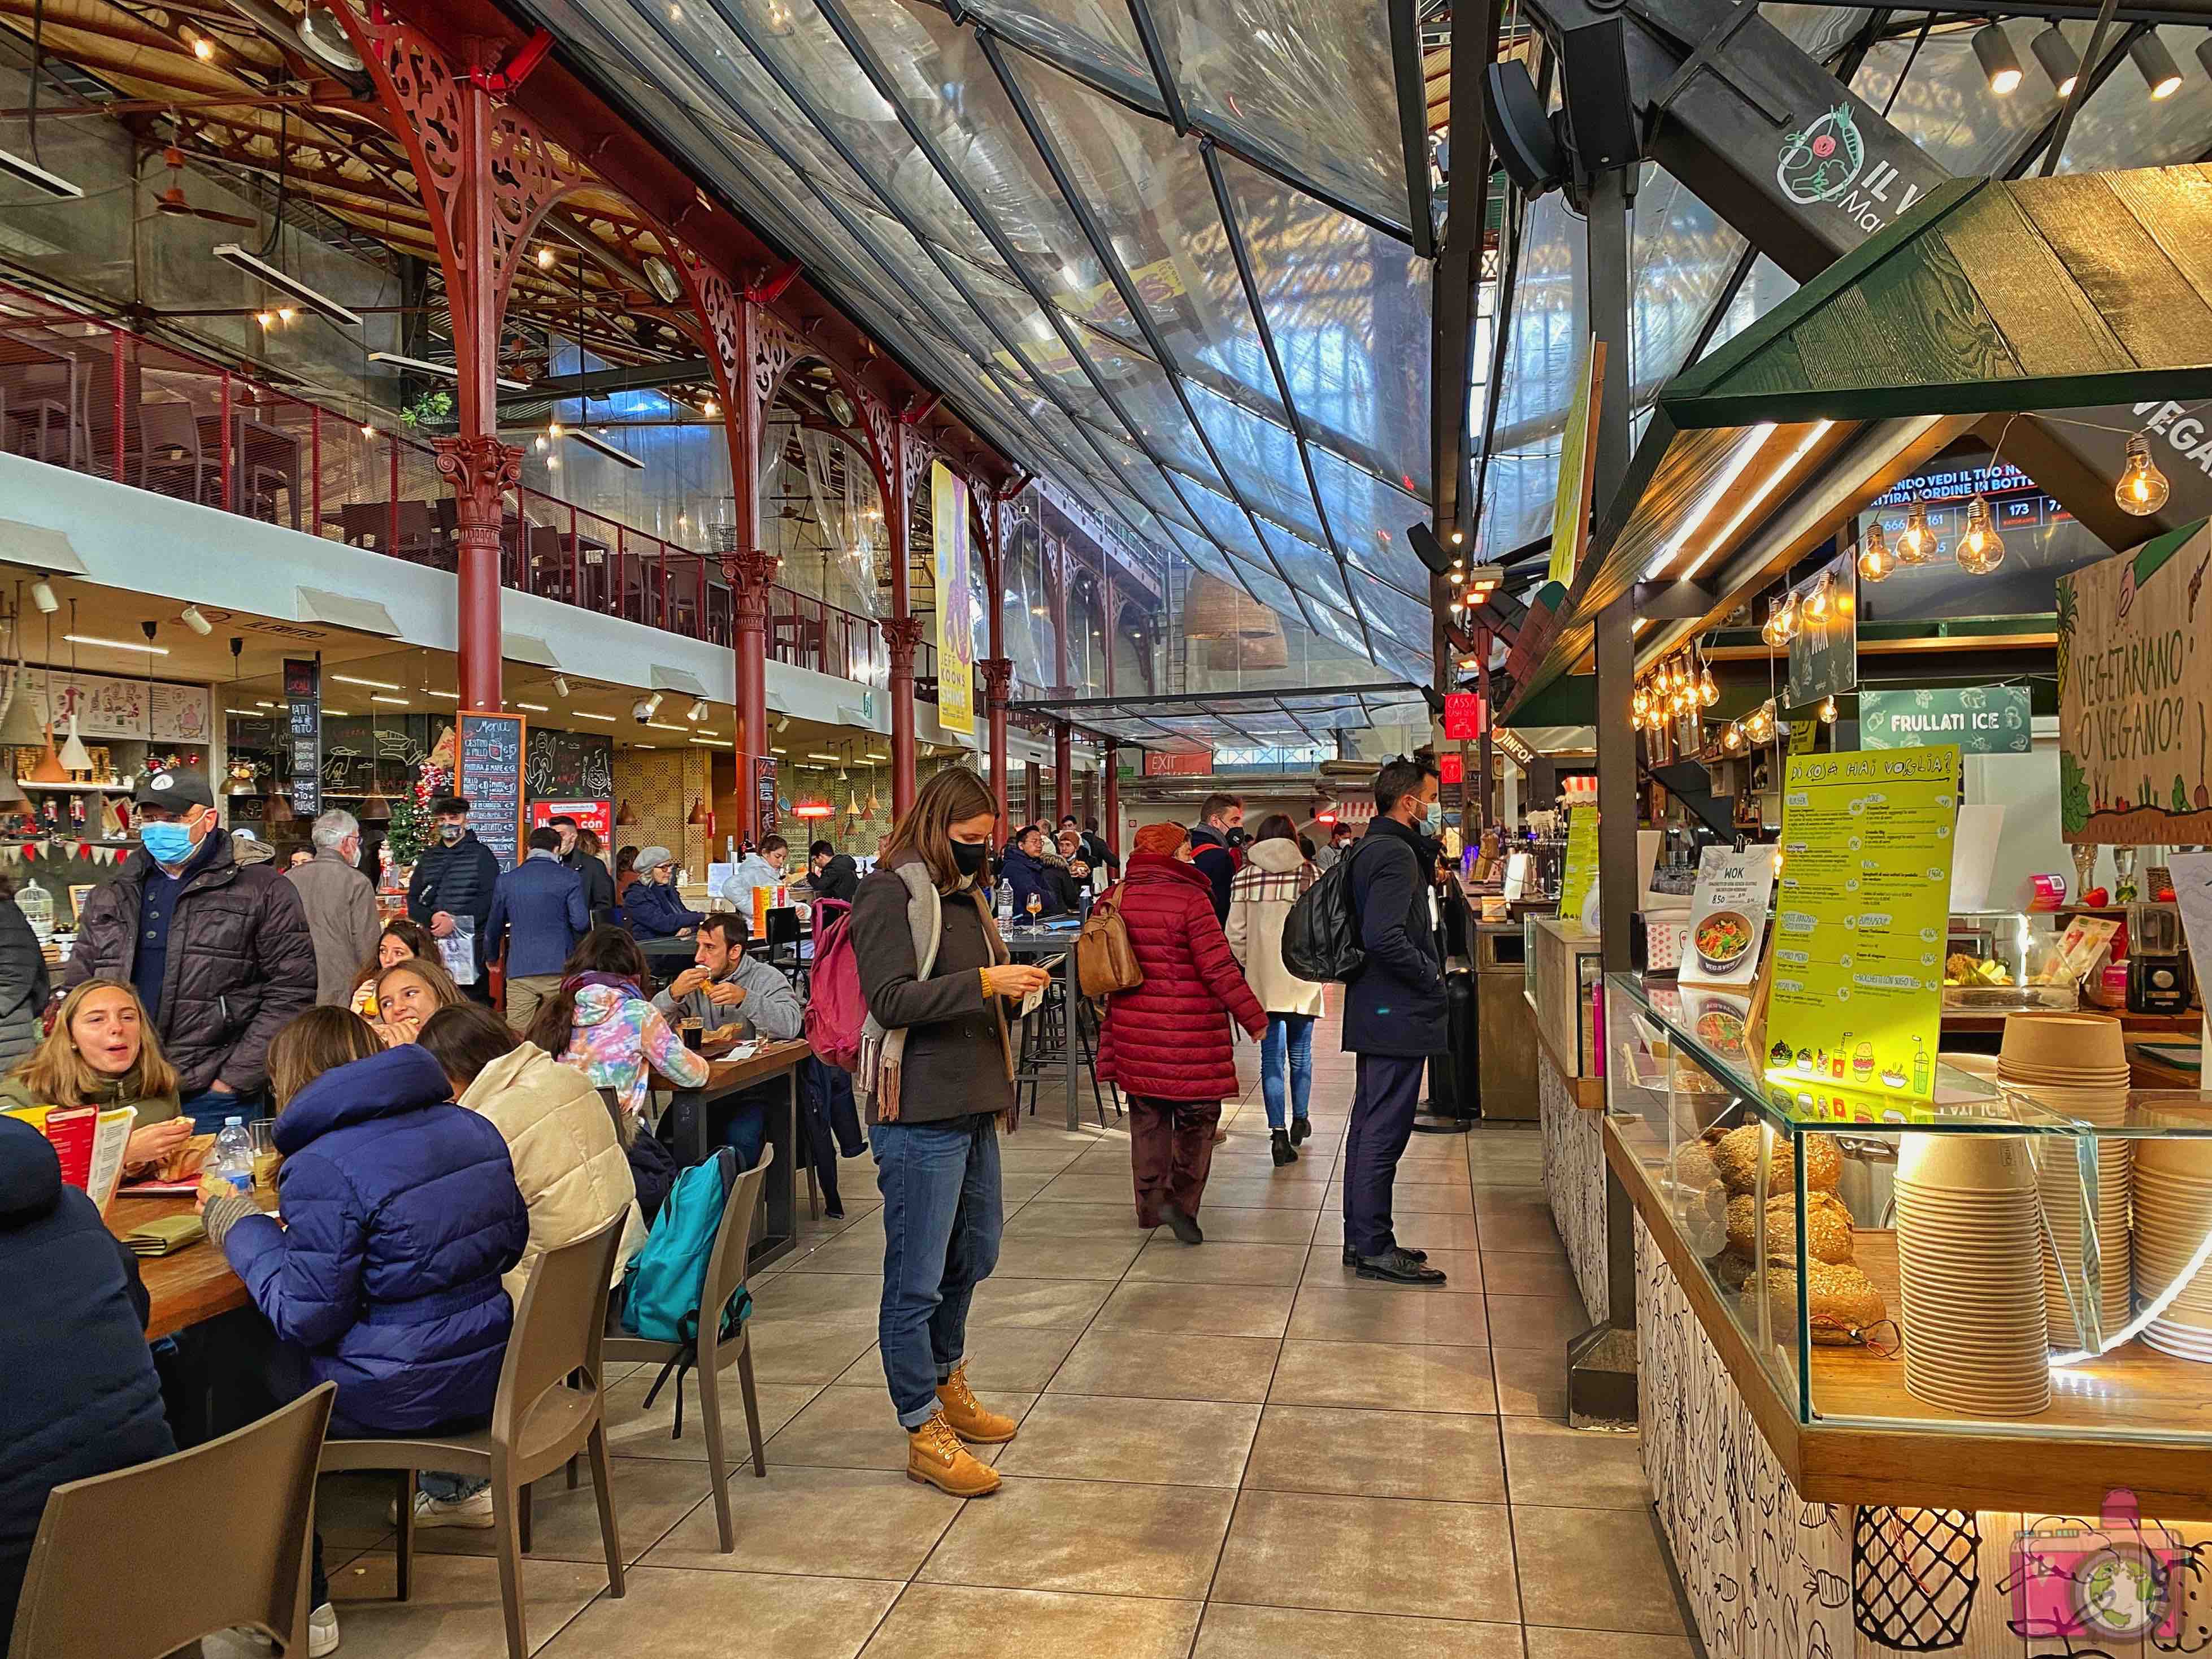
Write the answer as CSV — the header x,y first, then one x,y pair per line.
x,y
303,694
489,778
568,765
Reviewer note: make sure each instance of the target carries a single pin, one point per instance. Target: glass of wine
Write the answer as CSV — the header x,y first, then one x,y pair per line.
x,y
1036,905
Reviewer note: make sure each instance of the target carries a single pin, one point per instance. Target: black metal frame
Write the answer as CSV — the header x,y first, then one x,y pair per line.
x,y
1413,100
1071,711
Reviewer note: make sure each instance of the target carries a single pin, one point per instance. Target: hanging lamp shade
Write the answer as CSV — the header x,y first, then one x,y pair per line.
x,y
19,721
1216,610
75,757
625,819
852,804
698,810
875,803
375,808
49,768
280,808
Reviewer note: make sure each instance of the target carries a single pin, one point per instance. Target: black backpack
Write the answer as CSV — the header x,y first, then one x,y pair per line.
x,y
1321,936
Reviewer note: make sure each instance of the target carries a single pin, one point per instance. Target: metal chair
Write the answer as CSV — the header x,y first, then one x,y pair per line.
x,y
551,1405
709,1351
136,1564
169,450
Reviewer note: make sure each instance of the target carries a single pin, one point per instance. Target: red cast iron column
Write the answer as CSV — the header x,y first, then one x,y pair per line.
x,y
902,634
998,691
1113,824
750,572
1063,771
481,470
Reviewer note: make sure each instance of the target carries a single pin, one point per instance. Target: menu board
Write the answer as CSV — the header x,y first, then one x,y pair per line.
x,y
1581,872
764,794
106,706
1728,916
568,765
1824,652
1860,925
303,700
488,774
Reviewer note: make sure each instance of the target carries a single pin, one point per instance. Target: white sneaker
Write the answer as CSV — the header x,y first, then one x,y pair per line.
x,y
322,1631
473,1511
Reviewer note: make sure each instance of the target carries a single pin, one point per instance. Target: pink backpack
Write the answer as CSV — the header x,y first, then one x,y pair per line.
x,y
835,1011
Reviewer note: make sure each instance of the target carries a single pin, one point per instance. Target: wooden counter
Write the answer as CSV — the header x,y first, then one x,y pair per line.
x,y
2053,1462
1588,1092
196,1284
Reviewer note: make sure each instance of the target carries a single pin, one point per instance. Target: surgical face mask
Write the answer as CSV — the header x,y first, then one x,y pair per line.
x,y
971,856
450,832
166,843
1432,817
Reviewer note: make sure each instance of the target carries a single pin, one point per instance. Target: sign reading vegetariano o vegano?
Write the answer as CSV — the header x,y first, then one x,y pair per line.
x,y
2135,681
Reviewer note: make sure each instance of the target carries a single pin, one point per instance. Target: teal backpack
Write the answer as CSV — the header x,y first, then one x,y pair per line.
x,y
665,1279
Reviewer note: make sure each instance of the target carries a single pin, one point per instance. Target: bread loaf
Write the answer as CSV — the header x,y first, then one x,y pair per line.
x,y
1736,1155
1827,1224
1844,1300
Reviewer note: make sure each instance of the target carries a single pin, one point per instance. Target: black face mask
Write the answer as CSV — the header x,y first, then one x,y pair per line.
x,y
1236,837
971,856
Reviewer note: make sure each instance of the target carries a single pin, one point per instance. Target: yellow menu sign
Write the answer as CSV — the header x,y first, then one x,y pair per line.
x,y
1582,862
1860,921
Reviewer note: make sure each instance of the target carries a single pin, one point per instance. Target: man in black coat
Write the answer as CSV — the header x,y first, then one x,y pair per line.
x,y
81,1396
1394,1013
599,882
455,877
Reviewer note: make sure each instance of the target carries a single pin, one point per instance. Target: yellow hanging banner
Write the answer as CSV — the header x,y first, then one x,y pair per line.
x,y
956,621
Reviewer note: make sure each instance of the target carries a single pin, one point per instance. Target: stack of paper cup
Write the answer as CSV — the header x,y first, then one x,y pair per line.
x,y
1977,1339
2077,1066
2173,1215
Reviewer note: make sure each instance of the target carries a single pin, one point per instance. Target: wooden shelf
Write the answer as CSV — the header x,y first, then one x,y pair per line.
x,y
2116,1421
74,788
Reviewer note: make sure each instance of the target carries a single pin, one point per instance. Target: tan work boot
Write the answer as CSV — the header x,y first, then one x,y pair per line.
x,y
977,1427
935,1457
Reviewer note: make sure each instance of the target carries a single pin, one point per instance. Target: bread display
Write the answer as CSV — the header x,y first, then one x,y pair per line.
x,y
1736,1155
1828,1226
1694,1168
1843,1301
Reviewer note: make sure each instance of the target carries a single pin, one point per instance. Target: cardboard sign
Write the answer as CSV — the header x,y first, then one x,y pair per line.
x,y
2135,681
1861,923
1982,719
488,774
1581,872
1728,916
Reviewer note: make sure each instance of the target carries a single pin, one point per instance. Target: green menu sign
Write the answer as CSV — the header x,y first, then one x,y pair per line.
x,y
1982,719
1855,1013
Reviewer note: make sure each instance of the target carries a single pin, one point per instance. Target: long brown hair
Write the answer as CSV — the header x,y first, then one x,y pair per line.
x,y
58,1075
410,933
430,971
952,795
608,949
1276,826
318,1041
465,1038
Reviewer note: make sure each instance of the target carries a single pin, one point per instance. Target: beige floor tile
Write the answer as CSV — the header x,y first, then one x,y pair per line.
x,y
825,1298
452,1610
1031,1257
1518,1225
1044,1303
1462,1269
1385,1376
805,1350
1174,1442
1101,1537
1378,1453
1197,1310
1527,1272
1020,1188
1559,1467
1556,1547
1266,1192
692,1615
1045,1217
856,1251
1149,1366
1427,1232
1536,1321
1092,1182
1531,1382
1169,1261
353,1511
632,1431
1547,1643
1225,1225
1409,1198
932,1621
1229,1632
1369,1555
1020,1158
858,1428
1008,1359
651,1496
1357,1315
841,1523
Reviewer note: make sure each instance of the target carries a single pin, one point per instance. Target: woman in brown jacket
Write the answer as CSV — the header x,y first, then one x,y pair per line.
x,y
934,1102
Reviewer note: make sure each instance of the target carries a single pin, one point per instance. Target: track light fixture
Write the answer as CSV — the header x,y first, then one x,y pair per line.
x,y
1993,49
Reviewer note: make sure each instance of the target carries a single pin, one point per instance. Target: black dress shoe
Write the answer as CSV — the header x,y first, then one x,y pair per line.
x,y
1182,1226
1399,1267
1351,1256
1299,1130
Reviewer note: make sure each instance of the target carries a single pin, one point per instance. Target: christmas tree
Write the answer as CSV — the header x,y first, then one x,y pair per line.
x,y
410,830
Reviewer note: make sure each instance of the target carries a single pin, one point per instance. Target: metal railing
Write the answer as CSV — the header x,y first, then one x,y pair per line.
x,y
81,392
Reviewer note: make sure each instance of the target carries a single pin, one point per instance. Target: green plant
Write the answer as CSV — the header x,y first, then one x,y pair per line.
x,y
431,408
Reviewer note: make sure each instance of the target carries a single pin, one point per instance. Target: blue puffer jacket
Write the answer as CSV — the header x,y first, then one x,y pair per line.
x,y
400,1213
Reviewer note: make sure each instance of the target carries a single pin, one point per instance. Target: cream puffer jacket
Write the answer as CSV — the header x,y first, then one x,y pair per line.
x,y
574,1174
1274,875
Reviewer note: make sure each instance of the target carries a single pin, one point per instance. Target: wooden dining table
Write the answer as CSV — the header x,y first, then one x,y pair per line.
x,y
190,1286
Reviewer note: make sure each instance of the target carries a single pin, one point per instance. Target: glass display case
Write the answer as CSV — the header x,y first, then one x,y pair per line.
x,y
1562,966
2033,1260
2004,961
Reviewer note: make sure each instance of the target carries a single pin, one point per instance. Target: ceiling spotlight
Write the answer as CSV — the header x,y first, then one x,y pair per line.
x,y
554,429
560,685
203,48
782,722
42,595
641,710
1993,47
266,319
2160,72
191,618
545,259
697,711
651,704
368,430
2060,60
713,410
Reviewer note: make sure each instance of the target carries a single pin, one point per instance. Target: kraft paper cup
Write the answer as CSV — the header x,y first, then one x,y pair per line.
x,y
2064,1042
1970,1163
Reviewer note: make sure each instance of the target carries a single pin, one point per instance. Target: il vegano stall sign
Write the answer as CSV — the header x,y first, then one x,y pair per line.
x,y
2134,680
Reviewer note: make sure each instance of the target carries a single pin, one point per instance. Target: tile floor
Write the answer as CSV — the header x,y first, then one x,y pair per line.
x,y
1240,1451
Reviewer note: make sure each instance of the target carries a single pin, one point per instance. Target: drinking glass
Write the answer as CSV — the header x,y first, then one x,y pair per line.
x,y
266,1158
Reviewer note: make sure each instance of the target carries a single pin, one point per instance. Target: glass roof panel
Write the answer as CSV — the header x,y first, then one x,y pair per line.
x,y
1202,553
1141,388
1350,310
1095,36
1544,338
1140,477
1819,31
1262,459
2122,125
1370,519
1401,625
1147,190
1766,287
1310,569
1947,107
1270,590
1226,520
1311,88
1681,255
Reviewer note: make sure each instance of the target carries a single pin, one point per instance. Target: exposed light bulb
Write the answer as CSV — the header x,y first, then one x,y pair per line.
x,y
1733,737
1828,711
368,430
1915,543
1641,701
714,409
553,429
1774,630
1875,560
286,314
1816,608
545,259
203,48
1981,550
1707,693
266,319
2143,488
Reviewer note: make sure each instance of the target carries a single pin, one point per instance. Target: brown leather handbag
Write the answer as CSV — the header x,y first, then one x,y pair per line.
x,y
1105,961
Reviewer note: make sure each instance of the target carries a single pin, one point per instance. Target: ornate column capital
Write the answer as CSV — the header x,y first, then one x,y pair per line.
x,y
998,674
481,469
750,572
901,635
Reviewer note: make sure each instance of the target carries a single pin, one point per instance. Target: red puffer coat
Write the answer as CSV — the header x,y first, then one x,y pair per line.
x,y
1166,1039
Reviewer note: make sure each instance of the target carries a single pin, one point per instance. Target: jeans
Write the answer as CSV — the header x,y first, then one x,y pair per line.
x,y
1382,1106
942,1217
207,1108
833,1124
1287,1046
741,1122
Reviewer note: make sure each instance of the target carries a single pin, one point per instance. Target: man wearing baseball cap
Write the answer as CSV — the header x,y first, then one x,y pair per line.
x,y
219,951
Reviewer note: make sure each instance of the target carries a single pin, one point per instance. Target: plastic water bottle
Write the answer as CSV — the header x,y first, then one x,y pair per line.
x,y
231,1159
1005,905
